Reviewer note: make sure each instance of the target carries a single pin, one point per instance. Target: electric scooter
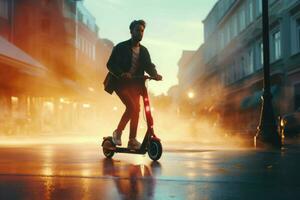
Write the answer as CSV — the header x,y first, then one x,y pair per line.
x,y
151,142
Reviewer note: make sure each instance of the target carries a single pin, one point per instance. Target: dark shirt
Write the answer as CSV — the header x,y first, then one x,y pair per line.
x,y
120,62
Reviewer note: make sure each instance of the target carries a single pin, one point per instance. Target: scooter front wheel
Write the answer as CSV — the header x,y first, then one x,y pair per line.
x,y
155,150
108,148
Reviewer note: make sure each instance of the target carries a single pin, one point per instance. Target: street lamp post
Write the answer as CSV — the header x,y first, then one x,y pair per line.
x,y
267,130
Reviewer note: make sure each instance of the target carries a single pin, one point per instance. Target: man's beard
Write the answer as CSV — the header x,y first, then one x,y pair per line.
x,y
138,39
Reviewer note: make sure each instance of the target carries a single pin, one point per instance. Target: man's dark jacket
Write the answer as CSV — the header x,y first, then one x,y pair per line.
x,y
120,62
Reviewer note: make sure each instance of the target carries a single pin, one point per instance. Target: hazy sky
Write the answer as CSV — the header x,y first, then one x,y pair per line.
x,y
172,26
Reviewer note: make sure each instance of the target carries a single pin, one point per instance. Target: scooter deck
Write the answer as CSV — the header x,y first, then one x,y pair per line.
x,y
126,150
142,150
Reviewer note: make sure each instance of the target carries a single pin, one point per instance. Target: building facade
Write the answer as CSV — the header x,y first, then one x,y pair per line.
x,y
39,22
51,63
232,78
6,19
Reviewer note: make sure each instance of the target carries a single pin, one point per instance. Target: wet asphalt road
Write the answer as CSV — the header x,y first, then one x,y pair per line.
x,y
80,171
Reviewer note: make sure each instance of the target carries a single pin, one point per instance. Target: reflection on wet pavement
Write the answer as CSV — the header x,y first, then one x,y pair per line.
x,y
132,181
67,172
81,172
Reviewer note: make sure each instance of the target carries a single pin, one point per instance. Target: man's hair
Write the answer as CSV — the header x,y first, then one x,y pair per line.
x,y
137,22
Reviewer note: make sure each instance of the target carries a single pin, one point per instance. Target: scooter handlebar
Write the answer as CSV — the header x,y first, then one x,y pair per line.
x,y
145,77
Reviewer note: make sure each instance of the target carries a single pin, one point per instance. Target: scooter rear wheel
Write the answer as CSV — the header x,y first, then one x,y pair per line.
x,y
108,148
155,150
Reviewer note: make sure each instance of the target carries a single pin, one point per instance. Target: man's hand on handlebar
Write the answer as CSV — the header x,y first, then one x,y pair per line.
x,y
127,76
158,77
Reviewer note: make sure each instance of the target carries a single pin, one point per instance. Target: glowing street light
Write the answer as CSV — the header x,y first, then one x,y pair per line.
x,y
86,105
91,89
115,108
62,100
191,95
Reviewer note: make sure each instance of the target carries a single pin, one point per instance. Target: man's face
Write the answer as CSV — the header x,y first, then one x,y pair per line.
x,y
137,33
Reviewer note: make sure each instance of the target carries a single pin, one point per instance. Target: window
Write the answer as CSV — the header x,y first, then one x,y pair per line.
x,y
250,11
242,19
4,9
235,25
227,75
94,52
258,55
87,47
80,16
91,51
222,38
234,72
238,69
261,47
277,45
298,33
250,61
227,34
243,67
259,7
224,77
78,43
295,33
231,28
82,45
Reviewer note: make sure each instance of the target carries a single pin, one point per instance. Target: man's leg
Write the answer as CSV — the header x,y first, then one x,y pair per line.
x,y
131,99
135,99
133,143
125,97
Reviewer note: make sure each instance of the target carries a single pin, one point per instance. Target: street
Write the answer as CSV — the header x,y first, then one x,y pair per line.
x,y
80,171
214,81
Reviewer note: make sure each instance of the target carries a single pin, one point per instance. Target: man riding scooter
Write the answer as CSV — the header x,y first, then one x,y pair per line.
x,y
129,59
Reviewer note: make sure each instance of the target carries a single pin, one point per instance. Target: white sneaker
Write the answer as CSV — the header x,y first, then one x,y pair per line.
x,y
117,138
133,144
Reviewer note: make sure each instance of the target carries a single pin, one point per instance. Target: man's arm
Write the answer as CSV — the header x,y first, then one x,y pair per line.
x,y
151,70
150,67
113,62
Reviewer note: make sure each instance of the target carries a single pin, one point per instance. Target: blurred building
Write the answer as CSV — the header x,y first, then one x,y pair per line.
x,y
47,31
51,59
88,45
19,71
230,77
6,19
103,50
